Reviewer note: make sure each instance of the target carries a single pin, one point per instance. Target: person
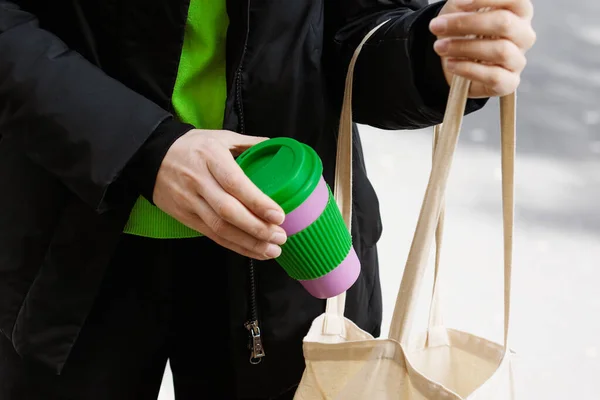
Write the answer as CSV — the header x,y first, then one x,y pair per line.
x,y
120,122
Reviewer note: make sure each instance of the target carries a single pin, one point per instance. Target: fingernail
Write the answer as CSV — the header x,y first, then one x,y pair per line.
x,y
274,216
463,2
441,46
450,65
273,251
438,25
278,238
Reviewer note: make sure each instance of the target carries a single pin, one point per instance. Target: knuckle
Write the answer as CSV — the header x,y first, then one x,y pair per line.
x,y
516,83
506,86
257,205
504,21
231,180
218,226
179,198
504,51
202,187
521,63
208,146
458,24
489,91
261,232
465,68
533,36
225,209
495,80
457,48
259,247
529,9
210,141
182,215
189,179
498,91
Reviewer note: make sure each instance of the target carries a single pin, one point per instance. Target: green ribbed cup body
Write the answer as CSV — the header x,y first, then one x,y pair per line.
x,y
319,248
289,172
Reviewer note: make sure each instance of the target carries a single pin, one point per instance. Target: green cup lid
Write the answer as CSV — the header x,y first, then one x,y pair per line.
x,y
284,169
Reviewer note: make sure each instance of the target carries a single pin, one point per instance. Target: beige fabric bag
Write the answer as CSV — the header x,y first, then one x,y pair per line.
x,y
344,362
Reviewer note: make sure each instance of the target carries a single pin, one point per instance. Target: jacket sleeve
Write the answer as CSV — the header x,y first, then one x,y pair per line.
x,y
142,169
70,117
399,81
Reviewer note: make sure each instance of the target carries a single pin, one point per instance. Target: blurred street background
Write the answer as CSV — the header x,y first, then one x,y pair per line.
x,y
556,280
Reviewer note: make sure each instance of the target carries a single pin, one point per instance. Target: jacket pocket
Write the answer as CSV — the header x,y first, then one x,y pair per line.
x,y
66,286
31,201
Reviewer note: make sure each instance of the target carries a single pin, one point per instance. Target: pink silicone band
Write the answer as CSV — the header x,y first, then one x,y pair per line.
x,y
307,212
337,281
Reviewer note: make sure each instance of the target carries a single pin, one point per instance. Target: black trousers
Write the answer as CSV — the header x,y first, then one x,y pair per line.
x,y
156,303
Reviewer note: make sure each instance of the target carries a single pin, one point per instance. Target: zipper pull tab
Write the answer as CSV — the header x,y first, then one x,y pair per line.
x,y
257,351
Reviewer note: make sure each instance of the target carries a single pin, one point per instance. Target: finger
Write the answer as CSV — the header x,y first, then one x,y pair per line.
x,y
236,248
522,8
205,220
230,177
496,80
235,213
193,216
237,143
497,23
499,52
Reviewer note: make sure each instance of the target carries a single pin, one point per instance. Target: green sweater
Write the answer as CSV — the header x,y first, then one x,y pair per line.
x,y
199,98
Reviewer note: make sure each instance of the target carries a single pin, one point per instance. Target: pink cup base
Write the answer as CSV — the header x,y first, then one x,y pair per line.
x,y
337,281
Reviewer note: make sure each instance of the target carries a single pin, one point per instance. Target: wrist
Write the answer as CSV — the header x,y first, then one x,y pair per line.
x,y
143,168
431,78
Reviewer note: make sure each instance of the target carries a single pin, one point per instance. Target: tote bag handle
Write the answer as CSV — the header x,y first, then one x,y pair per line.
x,y
432,207
342,192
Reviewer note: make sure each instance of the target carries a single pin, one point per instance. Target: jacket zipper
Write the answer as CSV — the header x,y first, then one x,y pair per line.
x,y
257,351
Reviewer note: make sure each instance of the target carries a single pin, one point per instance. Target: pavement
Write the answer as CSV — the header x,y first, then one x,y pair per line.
x,y
555,324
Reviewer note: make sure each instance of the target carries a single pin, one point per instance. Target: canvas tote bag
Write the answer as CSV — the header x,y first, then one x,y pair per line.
x,y
344,362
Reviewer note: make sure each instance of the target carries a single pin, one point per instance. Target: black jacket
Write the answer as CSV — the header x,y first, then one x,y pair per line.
x,y
85,118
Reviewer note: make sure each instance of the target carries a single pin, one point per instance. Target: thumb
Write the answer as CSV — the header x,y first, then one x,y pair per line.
x,y
237,143
449,8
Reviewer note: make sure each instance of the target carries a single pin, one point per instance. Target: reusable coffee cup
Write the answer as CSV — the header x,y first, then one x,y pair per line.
x,y
318,252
